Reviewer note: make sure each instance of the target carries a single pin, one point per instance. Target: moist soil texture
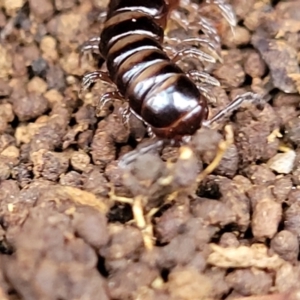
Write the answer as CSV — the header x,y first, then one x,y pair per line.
x,y
77,224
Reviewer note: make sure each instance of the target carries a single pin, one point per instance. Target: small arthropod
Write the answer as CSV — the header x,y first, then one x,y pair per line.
x,y
172,103
169,101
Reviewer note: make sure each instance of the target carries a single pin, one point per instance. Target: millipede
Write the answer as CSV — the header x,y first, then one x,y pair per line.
x,y
171,103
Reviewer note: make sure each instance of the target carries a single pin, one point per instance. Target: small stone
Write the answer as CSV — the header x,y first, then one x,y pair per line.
x,y
11,151
285,244
39,67
53,96
240,37
254,65
80,160
6,112
48,47
41,11
267,215
30,106
37,85
11,7
282,162
4,170
292,130
281,59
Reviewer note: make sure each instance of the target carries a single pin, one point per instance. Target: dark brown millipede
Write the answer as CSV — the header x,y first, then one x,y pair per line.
x,y
168,100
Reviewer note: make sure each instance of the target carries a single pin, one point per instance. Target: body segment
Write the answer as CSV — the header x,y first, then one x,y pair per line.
x,y
158,91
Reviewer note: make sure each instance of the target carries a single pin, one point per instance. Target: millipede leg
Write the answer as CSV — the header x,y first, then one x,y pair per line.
x,y
192,8
197,41
234,105
208,29
204,83
226,11
193,53
92,77
107,98
201,76
197,22
150,131
102,16
90,46
125,116
170,50
180,20
194,20
206,91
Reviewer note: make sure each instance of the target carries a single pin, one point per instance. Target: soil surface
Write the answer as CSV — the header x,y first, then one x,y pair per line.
x,y
75,224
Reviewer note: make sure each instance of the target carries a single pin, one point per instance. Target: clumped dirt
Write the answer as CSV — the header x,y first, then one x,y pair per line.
x,y
75,225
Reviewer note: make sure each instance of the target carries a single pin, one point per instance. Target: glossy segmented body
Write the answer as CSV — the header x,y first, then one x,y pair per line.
x,y
158,92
